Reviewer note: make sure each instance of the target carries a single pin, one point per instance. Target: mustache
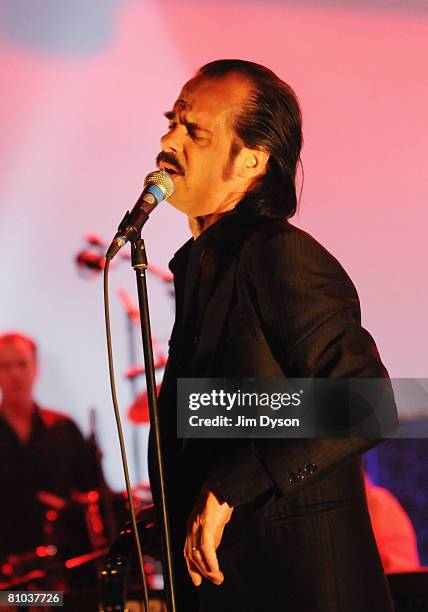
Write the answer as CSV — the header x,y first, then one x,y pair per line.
x,y
170,159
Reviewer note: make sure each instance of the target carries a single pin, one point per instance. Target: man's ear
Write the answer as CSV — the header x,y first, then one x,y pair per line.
x,y
250,164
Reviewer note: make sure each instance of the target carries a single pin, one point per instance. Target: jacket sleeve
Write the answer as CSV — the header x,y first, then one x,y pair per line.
x,y
309,312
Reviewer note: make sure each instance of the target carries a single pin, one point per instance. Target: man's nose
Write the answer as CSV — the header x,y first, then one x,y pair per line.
x,y
173,140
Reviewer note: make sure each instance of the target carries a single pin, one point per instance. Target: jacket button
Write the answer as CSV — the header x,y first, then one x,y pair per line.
x,y
311,468
293,478
303,473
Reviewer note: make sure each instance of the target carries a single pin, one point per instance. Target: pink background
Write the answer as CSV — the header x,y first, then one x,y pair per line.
x,y
83,88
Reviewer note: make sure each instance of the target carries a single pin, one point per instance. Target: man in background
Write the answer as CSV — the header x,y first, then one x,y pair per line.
x,y
43,460
393,530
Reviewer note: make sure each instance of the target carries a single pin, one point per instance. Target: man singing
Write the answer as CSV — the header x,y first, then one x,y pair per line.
x,y
278,525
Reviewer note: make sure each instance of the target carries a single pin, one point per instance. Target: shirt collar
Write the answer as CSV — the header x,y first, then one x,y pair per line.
x,y
232,228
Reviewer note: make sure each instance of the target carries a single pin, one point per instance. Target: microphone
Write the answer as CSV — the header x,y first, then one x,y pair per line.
x,y
158,186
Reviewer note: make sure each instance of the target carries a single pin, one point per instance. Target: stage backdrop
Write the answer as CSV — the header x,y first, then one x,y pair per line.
x,y
83,88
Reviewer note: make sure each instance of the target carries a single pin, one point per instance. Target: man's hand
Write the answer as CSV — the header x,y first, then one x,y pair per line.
x,y
204,532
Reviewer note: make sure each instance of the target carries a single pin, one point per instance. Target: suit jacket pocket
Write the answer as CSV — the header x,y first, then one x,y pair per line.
x,y
310,510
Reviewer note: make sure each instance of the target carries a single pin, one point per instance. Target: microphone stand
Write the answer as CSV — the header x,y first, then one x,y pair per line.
x,y
139,263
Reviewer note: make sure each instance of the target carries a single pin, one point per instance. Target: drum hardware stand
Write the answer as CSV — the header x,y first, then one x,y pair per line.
x,y
132,383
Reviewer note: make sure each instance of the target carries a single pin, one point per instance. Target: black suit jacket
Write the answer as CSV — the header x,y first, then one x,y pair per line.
x,y
283,307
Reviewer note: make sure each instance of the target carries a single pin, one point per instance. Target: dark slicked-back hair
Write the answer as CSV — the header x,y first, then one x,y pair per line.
x,y
270,119
16,337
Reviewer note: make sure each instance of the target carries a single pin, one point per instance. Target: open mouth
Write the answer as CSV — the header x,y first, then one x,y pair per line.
x,y
170,170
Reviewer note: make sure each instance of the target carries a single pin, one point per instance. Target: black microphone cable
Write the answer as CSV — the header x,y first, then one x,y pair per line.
x,y
134,527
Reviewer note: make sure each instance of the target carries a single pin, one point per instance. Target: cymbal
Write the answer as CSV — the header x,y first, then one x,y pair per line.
x,y
138,412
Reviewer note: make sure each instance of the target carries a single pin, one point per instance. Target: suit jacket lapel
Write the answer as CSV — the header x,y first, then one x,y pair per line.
x,y
214,321
229,234
178,265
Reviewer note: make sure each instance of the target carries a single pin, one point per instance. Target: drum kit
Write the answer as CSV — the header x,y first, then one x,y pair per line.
x,y
93,526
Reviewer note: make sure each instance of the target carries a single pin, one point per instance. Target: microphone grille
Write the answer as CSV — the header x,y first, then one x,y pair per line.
x,y
163,180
